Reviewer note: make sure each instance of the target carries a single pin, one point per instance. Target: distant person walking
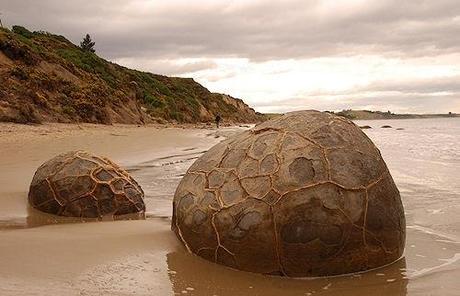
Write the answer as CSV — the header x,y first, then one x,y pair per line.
x,y
218,119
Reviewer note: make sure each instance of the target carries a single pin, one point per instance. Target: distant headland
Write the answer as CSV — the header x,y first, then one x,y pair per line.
x,y
368,115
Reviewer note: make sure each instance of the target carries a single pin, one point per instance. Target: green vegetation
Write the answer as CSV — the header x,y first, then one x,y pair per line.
x,y
89,62
22,31
152,101
87,44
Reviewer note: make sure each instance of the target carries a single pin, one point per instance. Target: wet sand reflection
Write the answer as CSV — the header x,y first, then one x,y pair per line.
x,y
192,275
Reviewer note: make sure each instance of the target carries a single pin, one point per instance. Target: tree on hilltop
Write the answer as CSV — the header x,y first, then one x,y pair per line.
x,y
87,44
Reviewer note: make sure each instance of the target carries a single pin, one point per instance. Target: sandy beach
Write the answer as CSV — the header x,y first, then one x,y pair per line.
x,y
43,255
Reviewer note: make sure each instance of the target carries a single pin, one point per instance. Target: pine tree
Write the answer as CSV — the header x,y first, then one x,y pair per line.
x,y
87,44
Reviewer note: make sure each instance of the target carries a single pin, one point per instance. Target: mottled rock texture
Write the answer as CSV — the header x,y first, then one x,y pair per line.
x,y
305,194
79,184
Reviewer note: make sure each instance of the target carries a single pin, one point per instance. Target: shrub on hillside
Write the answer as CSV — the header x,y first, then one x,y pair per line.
x,y
22,31
152,101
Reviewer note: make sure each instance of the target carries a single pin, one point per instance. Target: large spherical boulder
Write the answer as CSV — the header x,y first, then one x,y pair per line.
x,y
79,184
305,194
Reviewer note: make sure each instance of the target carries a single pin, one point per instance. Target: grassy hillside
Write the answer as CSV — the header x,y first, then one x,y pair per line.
x,y
46,78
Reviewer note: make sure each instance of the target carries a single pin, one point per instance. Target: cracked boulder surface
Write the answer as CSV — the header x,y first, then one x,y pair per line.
x,y
80,184
305,194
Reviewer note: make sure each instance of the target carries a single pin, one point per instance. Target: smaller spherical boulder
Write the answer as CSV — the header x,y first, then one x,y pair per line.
x,y
80,184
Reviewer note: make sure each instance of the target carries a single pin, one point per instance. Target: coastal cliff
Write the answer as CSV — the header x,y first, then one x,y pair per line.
x,y
46,78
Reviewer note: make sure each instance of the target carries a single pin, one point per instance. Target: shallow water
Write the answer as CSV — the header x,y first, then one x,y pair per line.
x,y
144,258
423,156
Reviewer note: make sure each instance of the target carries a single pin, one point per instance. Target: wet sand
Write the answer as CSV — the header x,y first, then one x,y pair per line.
x,y
43,255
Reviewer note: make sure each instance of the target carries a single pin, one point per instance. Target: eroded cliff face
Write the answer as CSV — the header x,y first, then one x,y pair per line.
x,y
46,78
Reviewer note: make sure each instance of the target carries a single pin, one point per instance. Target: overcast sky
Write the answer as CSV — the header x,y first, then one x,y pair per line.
x,y
278,56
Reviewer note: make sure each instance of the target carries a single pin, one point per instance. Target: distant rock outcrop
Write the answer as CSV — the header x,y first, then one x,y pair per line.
x,y
368,115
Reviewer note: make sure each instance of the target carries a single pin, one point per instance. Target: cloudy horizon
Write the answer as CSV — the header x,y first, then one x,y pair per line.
x,y
277,56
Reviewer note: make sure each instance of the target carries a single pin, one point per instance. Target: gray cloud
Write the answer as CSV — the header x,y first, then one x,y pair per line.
x,y
167,67
420,86
395,102
427,86
431,95
260,31
153,35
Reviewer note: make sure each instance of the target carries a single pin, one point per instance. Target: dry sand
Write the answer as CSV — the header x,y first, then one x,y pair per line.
x,y
143,257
